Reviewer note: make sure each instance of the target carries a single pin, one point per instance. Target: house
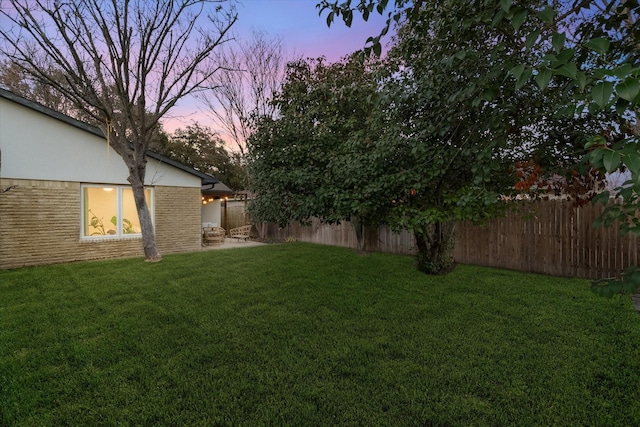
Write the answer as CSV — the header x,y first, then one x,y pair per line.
x,y
64,194
214,198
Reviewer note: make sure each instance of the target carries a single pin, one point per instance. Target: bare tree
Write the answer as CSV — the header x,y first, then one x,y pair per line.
x,y
125,62
253,72
14,78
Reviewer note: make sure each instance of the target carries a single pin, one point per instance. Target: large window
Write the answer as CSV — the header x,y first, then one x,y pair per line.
x,y
111,211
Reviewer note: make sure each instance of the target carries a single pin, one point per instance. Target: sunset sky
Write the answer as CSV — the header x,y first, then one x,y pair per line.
x,y
303,32
297,23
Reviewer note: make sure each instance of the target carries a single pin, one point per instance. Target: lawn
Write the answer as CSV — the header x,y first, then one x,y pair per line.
x,y
300,334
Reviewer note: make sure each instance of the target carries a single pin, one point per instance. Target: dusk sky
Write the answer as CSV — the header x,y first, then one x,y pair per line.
x,y
303,32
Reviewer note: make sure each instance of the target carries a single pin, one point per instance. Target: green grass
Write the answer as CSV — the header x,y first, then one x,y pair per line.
x,y
297,334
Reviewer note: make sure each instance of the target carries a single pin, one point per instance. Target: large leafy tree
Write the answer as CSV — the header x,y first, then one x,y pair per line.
x,y
425,141
453,122
607,52
125,64
306,162
587,47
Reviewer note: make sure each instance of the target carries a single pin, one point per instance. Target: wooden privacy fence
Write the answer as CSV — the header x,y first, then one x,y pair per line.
x,y
234,214
381,239
549,237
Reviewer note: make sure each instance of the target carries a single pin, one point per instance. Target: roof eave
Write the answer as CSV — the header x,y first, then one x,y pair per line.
x,y
206,178
51,113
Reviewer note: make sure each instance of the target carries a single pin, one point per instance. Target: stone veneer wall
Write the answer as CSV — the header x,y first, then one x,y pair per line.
x,y
40,224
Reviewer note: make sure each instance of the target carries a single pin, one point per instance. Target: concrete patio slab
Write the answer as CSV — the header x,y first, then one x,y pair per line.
x,y
230,243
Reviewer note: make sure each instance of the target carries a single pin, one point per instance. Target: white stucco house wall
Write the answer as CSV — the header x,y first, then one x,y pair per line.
x,y
66,196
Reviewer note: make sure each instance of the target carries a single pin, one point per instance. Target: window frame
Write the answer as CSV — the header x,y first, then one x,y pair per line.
x,y
119,207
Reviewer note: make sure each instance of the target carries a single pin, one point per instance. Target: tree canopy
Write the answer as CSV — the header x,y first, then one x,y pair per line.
x,y
418,140
251,73
587,48
303,161
201,148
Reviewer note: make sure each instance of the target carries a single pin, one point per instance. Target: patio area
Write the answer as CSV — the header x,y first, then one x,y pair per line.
x,y
230,243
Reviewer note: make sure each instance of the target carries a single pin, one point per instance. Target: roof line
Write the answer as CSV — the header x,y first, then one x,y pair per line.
x,y
51,113
206,178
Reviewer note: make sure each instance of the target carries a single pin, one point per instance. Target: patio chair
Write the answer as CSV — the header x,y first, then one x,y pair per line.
x,y
213,235
241,233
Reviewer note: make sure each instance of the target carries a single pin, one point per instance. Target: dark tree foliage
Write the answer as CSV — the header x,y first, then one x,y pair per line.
x,y
417,141
307,161
453,122
201,148
587,47
425,139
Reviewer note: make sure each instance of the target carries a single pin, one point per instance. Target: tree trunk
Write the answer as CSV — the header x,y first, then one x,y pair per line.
x,y
435,248
358,227
151,252
262,230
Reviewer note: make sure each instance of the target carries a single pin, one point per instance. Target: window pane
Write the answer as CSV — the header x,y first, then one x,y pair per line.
x,y
130,220
99,211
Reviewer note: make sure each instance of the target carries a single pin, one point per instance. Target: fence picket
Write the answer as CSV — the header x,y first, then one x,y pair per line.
x,y
550,237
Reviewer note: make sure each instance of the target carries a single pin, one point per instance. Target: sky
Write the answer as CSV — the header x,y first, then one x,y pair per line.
x,y
303,30
303,33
